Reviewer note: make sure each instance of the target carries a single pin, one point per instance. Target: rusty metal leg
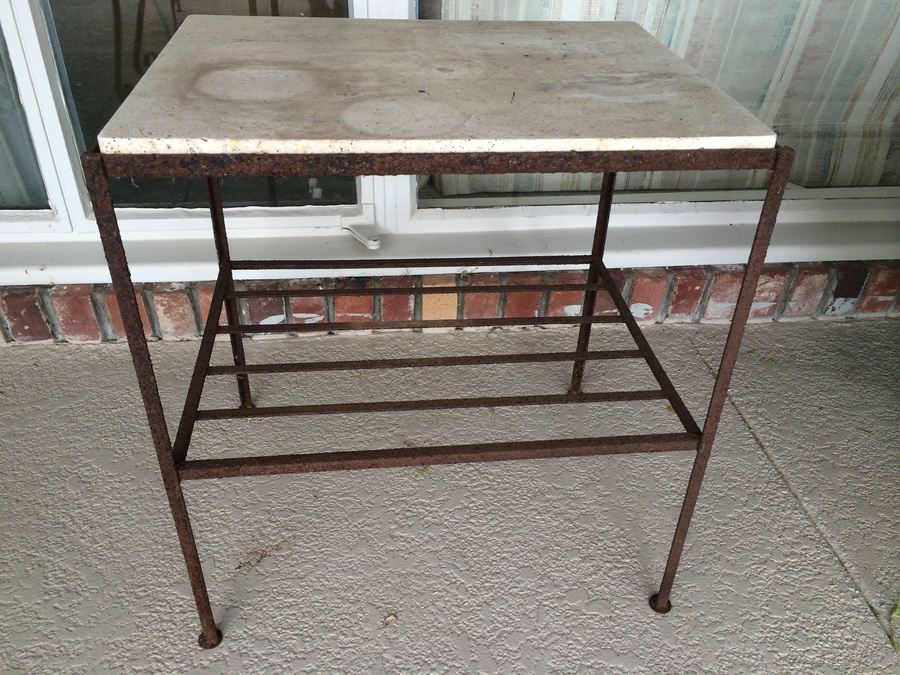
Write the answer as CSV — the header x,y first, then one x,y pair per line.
x,y
778,180
232,315
593,275
101,199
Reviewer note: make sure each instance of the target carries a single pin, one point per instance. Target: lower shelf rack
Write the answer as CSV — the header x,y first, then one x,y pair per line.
x,y
406,456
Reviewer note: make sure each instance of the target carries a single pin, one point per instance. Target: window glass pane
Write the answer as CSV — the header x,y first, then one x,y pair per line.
x,y
823,75
107,44
21,185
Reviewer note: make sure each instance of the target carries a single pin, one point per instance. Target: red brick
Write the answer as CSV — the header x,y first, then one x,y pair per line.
x,y
523,304
726,286
726,283
23,314
603,305
769,291
174,311
204,300
354,307
115,316
565,303
805,294
397,307
882,289
648,292
687,293
76,313
481,305
849,279
267,309
309,308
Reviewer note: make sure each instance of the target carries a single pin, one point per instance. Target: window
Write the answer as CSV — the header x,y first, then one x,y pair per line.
x,y
106,45
21,186
63,58
823,75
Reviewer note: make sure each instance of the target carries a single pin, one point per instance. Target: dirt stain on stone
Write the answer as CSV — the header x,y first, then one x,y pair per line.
x,y
423,471
256,556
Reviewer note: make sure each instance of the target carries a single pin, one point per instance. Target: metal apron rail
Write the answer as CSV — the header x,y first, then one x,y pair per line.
x,y
176,467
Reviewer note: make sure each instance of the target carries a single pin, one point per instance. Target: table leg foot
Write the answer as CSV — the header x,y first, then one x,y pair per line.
x,y
207,643
654,605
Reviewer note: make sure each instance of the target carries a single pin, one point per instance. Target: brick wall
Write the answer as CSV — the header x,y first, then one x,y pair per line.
x,y
176,311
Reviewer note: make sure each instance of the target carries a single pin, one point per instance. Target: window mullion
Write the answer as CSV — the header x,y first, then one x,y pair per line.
x,y
393,197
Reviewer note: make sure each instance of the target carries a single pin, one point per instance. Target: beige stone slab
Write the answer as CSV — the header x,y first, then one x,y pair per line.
x,y
227,84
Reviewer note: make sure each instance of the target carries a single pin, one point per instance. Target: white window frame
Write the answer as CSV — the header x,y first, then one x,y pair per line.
x,y
60,245
45,124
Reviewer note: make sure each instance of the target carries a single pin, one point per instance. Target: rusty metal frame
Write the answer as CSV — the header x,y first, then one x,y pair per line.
x,y
172,456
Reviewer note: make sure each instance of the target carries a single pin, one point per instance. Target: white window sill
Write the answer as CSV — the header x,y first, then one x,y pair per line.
x,y
641,235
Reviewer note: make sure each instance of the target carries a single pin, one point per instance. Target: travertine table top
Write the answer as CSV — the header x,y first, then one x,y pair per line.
x,y
227,84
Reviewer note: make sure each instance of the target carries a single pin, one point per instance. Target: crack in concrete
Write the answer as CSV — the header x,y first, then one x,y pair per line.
x,y
809,513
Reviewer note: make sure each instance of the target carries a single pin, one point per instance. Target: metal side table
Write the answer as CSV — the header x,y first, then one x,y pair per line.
x,y
258,96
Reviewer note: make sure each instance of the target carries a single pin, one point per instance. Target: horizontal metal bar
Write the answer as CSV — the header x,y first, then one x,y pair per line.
x,y
424,323
393,164
411,290
389,263
447,454
429,404
425,362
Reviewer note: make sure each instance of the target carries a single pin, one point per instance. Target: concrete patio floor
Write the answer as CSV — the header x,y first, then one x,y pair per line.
x,y
792,563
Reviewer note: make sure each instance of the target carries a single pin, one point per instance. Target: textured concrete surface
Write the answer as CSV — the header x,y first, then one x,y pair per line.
x,y
541,566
